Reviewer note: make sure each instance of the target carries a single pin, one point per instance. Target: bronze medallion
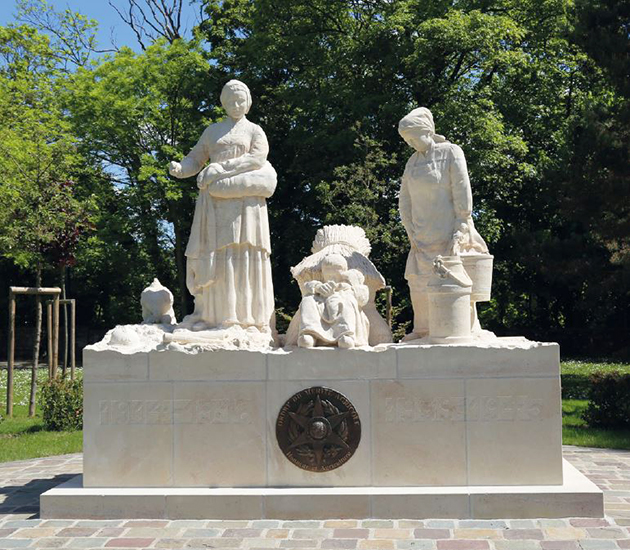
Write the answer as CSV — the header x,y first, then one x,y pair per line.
x,y
318,429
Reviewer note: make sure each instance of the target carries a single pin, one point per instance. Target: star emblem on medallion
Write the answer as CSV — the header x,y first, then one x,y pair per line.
x,y
319,430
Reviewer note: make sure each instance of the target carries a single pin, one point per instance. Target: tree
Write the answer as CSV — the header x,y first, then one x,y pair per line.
x,y
504,81
343,74
535,92
72,35
152,20
134,113
596,190
41,219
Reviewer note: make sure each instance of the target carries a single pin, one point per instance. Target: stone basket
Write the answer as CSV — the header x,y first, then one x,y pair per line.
x,y
479,269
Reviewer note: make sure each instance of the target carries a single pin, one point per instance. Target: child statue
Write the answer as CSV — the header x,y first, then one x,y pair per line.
x,y
331,310
157,305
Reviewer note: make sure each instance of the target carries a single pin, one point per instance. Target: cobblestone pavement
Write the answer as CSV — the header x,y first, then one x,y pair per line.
x,y
22,482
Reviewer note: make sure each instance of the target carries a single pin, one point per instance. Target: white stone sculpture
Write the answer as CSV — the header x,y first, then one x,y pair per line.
x,y
228,267
449,292
338,284
436,210
182,423
157,305
331,311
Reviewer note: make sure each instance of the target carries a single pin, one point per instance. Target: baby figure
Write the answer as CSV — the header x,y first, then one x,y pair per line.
x,y
157,305
331,310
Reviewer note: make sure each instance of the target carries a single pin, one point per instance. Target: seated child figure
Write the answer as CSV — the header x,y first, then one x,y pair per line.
x,y
331,310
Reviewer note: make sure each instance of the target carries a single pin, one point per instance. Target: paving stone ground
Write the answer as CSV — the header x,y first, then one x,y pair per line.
x,y
21,483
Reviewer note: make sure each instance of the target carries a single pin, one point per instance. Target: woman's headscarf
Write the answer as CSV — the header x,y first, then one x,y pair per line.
x,y
419,119
237,86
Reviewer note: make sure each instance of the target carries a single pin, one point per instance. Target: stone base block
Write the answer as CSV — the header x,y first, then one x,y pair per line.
x,y
576,497
466,415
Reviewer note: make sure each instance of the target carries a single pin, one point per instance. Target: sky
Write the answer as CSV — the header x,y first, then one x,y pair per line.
x,y
111,27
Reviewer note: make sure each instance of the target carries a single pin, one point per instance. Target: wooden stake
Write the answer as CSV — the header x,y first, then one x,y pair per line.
x,y
35,290
55,334
73,337
52,357
11,354
49,332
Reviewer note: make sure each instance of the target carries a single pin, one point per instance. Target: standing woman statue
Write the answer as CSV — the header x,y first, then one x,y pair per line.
x,y
435,207
228,269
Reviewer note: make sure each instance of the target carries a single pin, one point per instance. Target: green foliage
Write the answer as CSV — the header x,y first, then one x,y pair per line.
x,y
73,35
576,432
42,218
576,376
609,405
505,81
22,437
134,113
62,404
535,92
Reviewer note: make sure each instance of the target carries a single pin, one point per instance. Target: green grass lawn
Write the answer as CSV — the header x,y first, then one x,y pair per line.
x,y
575,384
22,437
576,432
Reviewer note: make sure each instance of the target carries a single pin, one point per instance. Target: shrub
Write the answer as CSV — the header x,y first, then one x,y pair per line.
x,y
62,404
576,376
609,396
575,386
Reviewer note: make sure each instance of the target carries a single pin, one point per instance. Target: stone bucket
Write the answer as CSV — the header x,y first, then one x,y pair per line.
x,y
479,269
449,301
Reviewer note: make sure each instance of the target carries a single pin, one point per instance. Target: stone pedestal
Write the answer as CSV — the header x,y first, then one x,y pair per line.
x,y
446,431
576,497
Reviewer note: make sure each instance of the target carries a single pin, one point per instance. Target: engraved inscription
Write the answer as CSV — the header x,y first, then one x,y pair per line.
x,y
410,409
179,411
501,408
212,411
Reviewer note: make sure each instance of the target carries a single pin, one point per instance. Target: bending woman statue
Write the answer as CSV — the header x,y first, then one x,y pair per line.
x,y
435,207
228,268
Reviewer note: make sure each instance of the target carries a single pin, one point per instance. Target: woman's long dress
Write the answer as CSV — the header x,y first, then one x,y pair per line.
x,y
228,254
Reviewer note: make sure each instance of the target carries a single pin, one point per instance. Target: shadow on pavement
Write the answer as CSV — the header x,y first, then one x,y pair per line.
x,y
24,499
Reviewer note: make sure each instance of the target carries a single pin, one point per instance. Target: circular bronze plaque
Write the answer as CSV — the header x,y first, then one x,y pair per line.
x,y
318,429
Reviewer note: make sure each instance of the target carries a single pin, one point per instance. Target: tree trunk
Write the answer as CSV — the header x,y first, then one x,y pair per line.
x,y
38,334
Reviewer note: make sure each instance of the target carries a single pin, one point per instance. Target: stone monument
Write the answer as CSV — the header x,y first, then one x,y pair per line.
x,y
211,418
